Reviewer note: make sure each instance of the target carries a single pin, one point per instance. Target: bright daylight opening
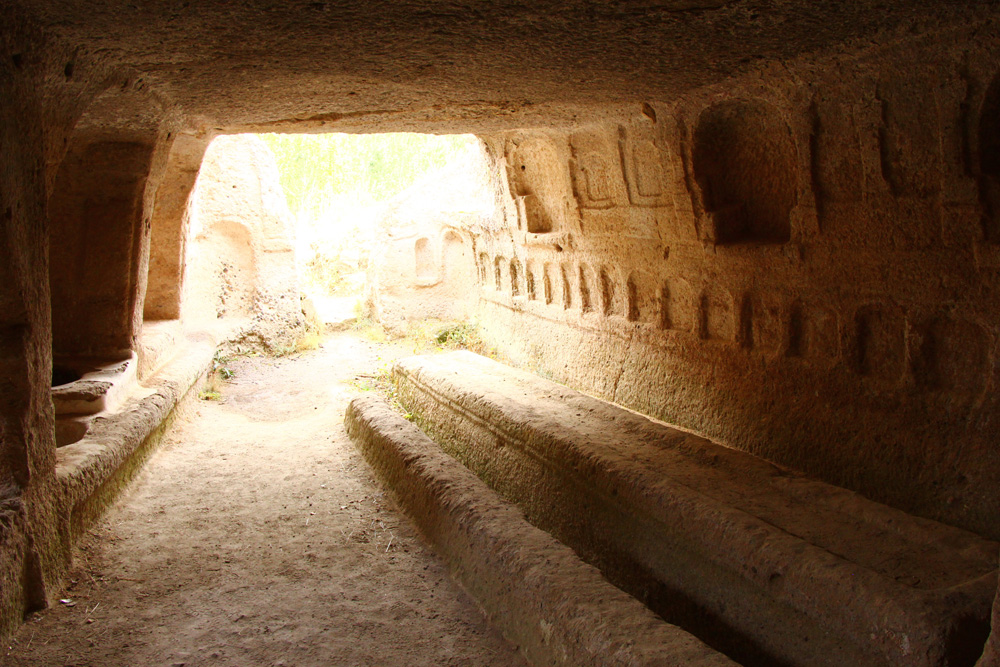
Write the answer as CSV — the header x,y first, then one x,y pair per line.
x,y
292,235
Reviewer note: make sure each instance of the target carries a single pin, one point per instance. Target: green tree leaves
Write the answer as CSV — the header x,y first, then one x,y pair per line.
x,y
318,169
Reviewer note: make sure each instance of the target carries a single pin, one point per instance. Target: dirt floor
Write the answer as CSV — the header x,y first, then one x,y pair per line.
x,y
256,535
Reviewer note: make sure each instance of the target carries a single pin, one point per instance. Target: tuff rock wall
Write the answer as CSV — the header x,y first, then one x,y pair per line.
x,y
239,260
804,266
790,246
41,98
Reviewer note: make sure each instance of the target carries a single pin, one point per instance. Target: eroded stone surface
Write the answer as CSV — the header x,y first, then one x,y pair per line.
x,y
858,344
782,567
423,262
800,266
241,259
558,609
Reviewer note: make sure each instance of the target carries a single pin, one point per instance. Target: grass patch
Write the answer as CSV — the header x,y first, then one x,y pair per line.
x,y
220,366
310,341
217,377
429,335
381,382
464,336
371,330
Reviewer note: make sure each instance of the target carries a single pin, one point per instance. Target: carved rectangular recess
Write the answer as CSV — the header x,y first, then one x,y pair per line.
x,y
647,169
596,170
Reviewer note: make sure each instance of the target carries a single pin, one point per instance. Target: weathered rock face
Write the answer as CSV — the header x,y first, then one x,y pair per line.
x,y
38,108
761,563
774,222
241,259
807,273
424,265
96,255
169,226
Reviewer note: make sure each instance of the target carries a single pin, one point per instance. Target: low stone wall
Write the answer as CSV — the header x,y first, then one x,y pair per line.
x,y
543,597
92,472
762,563
803,266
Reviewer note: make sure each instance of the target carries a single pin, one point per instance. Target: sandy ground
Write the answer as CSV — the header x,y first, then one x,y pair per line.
x,y
256,535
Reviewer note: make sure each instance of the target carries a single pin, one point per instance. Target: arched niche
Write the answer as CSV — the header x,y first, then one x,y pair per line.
x,y
566,287
423,257
744,162
498,273
455,259
585,286
515,277
547,283
633,311
718,319
484,263
608,292
665,312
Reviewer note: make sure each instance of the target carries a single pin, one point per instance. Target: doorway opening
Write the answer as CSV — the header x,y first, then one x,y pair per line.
x,y
375,230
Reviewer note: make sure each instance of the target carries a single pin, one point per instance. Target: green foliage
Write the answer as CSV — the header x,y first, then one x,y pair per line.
x,y
318,169
457,335
310,340
220,365
380,381
217,377
464,336
371,330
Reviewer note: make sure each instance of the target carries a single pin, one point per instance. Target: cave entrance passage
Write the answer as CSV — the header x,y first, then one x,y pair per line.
x,y
374,226
383,222
256,533
291,233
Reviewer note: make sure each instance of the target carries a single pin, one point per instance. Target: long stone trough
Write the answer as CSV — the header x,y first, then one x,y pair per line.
x,y
555,607
762,563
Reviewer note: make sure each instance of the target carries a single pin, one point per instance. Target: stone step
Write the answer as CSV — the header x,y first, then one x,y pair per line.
x,y
763,563
558,609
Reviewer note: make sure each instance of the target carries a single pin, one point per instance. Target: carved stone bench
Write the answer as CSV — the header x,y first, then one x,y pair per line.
x,y
764,564
542,596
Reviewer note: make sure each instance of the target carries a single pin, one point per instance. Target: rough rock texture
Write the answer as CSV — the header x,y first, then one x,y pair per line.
x,y
304,562
558,609
430,65
241,259
92,471
802,267
37,112
98,243
775,220
169,225
763,563
991,654
424,265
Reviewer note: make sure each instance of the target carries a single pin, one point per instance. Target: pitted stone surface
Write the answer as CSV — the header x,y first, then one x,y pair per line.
x,y
841,580
831,309
560,610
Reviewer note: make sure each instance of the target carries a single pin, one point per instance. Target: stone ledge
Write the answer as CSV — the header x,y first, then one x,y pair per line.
x,y
558,609
761,562
15,551
92,471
